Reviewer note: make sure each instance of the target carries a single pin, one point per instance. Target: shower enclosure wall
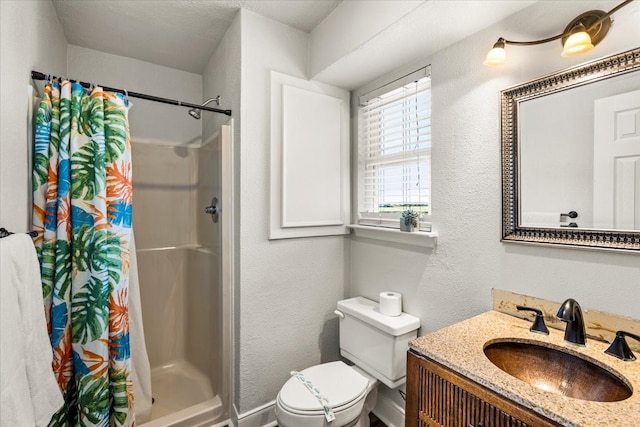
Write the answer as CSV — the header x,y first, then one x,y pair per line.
x,y
179,270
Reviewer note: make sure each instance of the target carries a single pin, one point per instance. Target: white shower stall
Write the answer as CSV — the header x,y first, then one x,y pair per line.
x,y
180,270
183,257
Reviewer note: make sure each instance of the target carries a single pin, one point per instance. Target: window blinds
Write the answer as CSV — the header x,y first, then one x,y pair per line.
x,y
395,152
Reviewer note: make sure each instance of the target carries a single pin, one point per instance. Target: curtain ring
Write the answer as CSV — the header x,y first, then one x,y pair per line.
x,y
126,95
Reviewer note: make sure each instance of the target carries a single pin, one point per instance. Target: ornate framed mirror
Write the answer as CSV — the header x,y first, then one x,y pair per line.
x,y
570,146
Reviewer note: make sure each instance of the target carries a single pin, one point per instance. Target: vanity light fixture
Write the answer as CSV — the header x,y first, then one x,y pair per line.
x,y
580,36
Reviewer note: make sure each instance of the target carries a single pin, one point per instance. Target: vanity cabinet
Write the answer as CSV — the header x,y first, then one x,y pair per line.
x,y
440,397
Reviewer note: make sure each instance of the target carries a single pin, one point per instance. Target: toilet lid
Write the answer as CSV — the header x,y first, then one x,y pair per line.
x,y
336,381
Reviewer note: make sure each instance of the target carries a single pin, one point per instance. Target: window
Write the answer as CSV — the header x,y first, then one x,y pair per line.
x,y
394,144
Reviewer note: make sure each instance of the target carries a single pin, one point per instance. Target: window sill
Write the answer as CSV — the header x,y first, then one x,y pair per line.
x,y
418,238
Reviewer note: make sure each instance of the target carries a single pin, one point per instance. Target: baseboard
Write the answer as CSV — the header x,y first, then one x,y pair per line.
x,y
386,409
262,416
389,411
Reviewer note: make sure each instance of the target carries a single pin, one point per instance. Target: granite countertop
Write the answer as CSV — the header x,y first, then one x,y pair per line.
x,y
460,347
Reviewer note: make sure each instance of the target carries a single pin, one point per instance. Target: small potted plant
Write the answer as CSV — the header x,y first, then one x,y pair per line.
x,y
409,220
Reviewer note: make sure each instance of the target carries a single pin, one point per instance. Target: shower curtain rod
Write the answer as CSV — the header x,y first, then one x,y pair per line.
x,y
36,75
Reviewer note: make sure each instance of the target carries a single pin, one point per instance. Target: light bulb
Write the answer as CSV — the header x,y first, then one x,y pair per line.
x,y
496,55
578,42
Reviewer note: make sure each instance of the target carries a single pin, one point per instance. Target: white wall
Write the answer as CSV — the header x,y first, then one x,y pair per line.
x,y
37,43
351,25
453,282
556,160
148,121
287,288
222,77
361,40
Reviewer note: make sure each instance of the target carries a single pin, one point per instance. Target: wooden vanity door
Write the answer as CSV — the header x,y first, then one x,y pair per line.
x,y
439,397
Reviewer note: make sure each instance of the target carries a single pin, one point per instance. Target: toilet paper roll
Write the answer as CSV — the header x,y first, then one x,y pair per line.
x,y
390,303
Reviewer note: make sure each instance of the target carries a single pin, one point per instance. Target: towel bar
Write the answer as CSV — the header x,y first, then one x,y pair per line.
x,y
4,233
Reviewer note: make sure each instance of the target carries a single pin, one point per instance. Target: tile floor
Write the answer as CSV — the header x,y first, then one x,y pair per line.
x,y
375,422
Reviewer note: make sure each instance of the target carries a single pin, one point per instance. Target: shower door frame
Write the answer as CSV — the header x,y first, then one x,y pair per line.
x,y
227,223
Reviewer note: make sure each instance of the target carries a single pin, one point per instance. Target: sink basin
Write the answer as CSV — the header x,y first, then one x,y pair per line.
x,y
557,371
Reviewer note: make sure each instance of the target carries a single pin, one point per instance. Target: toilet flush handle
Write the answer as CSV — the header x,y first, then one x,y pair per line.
x,y
339,313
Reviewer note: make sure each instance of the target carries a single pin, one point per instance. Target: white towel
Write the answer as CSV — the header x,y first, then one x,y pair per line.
x,y
141,371
29,392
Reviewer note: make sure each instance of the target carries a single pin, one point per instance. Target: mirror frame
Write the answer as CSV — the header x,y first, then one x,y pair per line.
x,y
600,69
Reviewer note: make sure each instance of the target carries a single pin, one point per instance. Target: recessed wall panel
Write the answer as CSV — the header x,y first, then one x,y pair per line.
x,y
311,159
309,165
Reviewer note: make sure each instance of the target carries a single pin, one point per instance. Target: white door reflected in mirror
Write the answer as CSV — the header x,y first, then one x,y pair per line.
x,y
616,166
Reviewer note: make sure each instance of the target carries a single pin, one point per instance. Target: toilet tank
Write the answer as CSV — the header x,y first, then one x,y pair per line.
x,y
374,342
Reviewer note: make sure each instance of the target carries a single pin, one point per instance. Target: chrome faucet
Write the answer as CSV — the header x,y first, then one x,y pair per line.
x,y
571,312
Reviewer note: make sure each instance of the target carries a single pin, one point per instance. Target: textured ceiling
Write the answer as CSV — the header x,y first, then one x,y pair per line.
x,y
181,34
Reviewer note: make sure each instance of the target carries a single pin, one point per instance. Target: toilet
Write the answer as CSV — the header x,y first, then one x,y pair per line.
x,y
338,394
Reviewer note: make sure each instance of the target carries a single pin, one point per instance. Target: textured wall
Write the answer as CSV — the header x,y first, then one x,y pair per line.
x,y
222,77
288,288
31,38
453,282
148,121
350,26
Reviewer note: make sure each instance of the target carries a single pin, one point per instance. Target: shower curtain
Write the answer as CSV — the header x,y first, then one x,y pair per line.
x,y
82,211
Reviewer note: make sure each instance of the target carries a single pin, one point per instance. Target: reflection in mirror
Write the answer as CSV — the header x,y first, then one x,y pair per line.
x,y
571,156
580,152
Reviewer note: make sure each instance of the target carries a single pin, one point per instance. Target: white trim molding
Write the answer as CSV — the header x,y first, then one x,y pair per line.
x,y
386,409
310,157
262,416
417,238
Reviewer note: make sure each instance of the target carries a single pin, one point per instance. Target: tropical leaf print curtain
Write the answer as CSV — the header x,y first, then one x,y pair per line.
x,y
82,206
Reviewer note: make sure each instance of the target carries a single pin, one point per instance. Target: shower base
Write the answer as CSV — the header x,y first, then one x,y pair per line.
x,y
183,397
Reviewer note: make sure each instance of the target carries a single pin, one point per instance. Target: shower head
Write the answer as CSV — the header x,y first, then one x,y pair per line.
x,y
195,112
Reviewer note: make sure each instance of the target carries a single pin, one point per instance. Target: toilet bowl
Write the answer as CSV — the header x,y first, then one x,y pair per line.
x,y
336,394
349,392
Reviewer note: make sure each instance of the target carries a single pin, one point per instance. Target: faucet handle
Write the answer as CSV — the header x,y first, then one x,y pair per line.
x,y
619,347
538,323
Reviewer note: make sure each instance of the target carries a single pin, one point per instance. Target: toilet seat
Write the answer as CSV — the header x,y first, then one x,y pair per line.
x,y
344,387
336,381
337,409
